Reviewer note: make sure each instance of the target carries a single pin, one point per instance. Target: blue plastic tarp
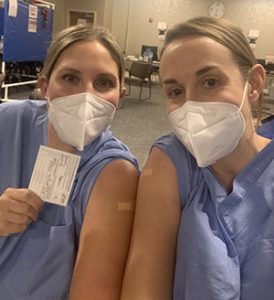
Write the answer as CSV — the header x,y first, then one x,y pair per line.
x,y
19,43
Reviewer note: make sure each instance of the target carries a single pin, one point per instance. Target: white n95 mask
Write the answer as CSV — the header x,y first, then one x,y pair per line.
x,y
209,130
78,119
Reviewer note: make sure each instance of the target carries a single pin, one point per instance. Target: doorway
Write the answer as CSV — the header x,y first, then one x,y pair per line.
x,y
76,17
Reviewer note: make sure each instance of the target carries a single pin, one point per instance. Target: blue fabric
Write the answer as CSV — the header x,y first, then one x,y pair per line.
x,y
225,246
267,129
2,13
38,263
20,44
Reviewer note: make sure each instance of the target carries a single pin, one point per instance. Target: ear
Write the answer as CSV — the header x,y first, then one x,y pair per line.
x,y
43,86
256,81
123,92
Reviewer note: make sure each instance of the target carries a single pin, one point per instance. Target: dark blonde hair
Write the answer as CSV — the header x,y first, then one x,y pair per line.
x,y
73,34
220,30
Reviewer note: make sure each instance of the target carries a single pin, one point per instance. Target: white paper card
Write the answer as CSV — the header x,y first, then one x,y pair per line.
x,y
53,175
13,5
32,25
81,21
33,11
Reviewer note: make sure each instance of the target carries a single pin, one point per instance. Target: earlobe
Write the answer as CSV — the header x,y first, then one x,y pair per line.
x,y
256,80
255,94
123,92
43,86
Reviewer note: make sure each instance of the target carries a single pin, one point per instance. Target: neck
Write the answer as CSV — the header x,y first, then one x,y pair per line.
x,y
56,143
229,167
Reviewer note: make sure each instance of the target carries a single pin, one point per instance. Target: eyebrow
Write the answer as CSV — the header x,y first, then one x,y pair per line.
x,y
200,72
169,81
205,70
68,69
108,74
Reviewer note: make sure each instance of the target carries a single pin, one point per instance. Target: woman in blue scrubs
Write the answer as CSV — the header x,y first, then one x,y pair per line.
x,y
43,243
204,224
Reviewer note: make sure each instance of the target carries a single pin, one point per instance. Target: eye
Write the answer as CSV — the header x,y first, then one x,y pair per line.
x,y
71,78
105,83
174,92
211,83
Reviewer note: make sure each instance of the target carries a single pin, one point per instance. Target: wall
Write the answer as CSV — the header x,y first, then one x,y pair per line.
x,y
94,5
259,15
120,17
62,7
108,9
59,17
128,19
248,14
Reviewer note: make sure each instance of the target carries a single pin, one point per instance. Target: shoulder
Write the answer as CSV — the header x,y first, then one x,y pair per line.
x,y
114,191
166,140
100,179
112,146
172,147
158,177
176,164
104,163
19,110
120,165
117,173
116,183
179,156
159,160
23,105
103,151
22,115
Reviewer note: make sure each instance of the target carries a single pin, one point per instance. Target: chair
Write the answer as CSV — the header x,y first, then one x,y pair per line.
x,y
141,72
269,68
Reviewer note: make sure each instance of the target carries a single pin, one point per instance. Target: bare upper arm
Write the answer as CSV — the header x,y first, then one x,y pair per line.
x,y
105,233
150,267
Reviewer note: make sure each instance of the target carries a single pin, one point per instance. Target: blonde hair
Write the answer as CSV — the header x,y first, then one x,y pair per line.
x,y
73,34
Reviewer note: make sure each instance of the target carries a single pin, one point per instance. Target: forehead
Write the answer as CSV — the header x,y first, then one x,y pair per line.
x,y
86,54
190,54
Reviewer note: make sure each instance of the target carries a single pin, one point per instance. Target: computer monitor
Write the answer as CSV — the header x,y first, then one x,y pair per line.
x,y
261,61
150,51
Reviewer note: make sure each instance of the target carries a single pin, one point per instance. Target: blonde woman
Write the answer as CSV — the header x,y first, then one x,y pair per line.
x,y
204,225
83,72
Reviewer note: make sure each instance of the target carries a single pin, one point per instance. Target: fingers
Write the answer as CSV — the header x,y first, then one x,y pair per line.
x,y
7,228
27,196
18,208
17,214
21,211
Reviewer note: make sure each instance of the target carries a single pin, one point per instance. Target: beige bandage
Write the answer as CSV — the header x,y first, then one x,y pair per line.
x,y
124,206
147,172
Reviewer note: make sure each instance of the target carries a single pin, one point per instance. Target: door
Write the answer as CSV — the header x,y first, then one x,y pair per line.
x,y
81,17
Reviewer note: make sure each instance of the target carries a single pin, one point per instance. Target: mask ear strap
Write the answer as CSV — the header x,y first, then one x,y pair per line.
x,y
244,95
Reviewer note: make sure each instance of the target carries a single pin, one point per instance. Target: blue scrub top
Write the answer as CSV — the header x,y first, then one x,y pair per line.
x,y
38,263
225,246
